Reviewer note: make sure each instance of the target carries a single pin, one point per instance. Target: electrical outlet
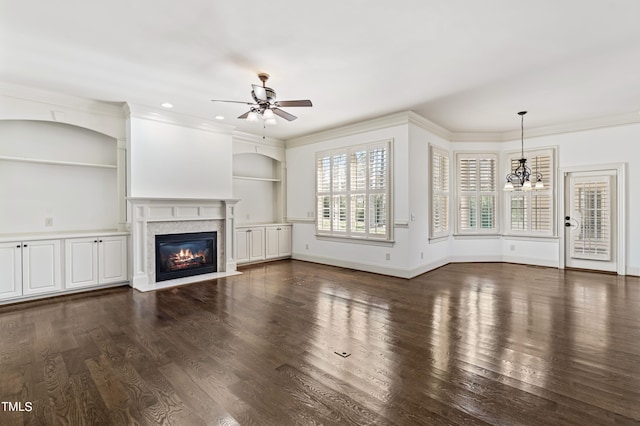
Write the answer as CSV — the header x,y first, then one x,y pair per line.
x,y
388,256
512,247
421,255
48,221
306,246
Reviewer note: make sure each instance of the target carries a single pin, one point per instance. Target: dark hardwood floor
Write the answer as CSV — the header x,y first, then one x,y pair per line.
x,y
464,344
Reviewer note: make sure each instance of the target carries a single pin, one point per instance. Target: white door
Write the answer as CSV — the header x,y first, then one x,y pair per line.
x,y
112,259
284,241
10,270
256,235
590,220
242,245
41,267
272,242
81,261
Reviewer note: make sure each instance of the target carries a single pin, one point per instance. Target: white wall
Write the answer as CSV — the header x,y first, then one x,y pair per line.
x,y
301,201
168,160
413,253
76,197
424,255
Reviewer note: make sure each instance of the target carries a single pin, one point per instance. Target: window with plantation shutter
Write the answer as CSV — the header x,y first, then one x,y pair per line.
x,y
531,212
476,193
353,192
439,192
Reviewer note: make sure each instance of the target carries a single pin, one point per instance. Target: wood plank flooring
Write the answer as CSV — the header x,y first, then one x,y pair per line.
x,y
465,344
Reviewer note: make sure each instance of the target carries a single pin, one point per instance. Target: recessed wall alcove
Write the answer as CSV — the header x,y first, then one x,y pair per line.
x,y
57,177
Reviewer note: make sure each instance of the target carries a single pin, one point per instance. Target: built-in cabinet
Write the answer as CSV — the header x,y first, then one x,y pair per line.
x,y
31,268
255,243
95,261
249,244
278,241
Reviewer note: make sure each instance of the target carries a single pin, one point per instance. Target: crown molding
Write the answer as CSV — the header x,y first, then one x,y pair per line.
x,y
575,126
428,125
378,123
477,137
57,100
170,117
255,139
571,127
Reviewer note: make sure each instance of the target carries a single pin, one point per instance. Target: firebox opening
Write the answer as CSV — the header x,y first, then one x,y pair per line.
x,y
184,255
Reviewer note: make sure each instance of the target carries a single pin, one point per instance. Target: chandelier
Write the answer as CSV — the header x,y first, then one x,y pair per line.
x,y
522,173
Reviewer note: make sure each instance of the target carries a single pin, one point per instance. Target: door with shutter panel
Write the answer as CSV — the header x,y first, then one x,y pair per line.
x,y
589,222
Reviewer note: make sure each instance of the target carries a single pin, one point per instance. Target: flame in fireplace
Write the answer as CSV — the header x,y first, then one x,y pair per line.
x,y
185,258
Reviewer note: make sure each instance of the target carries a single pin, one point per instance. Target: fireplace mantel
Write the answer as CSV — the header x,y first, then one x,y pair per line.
x,y
175,213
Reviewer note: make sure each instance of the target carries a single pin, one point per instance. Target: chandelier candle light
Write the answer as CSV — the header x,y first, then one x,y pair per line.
x,y
522,173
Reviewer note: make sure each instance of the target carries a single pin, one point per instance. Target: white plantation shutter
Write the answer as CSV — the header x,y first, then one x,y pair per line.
x,y
592,203
476,193
323,192
531,212
439,192
353,197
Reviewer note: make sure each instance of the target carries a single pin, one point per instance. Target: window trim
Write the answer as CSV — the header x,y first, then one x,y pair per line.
x,y
477,154
439,235
550,190
347,236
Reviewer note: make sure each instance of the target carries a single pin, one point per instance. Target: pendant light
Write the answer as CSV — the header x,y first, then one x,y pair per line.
x,y
522,173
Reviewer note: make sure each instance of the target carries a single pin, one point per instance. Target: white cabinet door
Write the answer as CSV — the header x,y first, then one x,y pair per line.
x,y
242,245
284,241
81,261
278,241
10,270
256,236
112,259
41,264
272,237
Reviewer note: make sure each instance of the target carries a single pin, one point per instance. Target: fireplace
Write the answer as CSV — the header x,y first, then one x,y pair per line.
x,y
185,255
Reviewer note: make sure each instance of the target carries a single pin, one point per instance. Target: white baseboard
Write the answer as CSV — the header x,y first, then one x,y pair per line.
x,y
475,258
531,261
633,270
370,267
414,272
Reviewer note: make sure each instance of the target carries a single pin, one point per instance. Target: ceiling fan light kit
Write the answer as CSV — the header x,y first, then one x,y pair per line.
x,y
266,105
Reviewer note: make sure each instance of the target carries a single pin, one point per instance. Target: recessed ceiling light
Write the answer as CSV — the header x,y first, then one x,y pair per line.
x,y
219,117
167,105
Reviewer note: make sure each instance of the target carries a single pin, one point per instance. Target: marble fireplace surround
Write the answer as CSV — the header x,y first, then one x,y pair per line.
x,y
156,216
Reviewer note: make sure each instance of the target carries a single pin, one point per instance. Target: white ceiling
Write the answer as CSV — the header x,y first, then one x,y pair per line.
x,y
468,66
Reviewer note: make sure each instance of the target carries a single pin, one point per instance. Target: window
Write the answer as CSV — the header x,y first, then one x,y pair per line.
x,y
476,193
439,192
353,192
531,212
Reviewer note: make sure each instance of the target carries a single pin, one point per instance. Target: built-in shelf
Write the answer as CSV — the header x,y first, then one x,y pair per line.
x,y
57,162
257,178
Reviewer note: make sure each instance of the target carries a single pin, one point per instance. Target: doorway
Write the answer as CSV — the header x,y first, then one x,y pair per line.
x,y
592,219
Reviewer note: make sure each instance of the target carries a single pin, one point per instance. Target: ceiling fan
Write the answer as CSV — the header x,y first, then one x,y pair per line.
x,y
265,104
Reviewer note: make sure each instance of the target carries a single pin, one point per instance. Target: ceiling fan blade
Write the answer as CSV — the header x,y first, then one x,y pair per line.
x,y
283,114
260,92
235,102
245,115
300,103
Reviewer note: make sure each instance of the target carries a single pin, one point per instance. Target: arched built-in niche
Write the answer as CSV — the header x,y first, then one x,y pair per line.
x,y
57,177
258,181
